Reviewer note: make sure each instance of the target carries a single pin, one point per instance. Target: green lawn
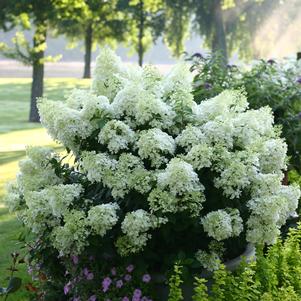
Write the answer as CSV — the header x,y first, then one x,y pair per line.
x,y
15,133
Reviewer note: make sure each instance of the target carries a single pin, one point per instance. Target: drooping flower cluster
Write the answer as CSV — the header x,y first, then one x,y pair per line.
x,y
152,164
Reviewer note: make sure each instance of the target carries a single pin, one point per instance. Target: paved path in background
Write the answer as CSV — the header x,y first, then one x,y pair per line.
x,y
60,69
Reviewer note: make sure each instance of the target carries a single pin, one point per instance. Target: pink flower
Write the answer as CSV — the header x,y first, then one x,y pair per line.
x,y
130,268
146,278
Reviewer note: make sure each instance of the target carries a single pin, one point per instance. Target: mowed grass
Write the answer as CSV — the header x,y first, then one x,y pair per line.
x,y
15,134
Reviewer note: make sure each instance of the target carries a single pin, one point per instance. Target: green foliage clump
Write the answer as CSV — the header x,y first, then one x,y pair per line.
x,y
275,275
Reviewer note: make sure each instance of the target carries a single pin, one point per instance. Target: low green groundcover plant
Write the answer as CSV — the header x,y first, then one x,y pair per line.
x,y
155,177
275,275
267,83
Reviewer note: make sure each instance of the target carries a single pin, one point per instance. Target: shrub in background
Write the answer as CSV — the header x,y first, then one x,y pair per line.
x,y
267,83
156,177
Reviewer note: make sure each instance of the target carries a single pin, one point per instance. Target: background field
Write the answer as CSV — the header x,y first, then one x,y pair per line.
x,y
15,133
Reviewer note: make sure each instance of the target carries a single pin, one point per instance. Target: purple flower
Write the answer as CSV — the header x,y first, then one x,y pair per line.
x,y
92,298
76,299
146,278
144,298
74,259
298,80
136,298
137,293
299,115
127,277
113,271
119,283
125,299
67,288
130,268
106,284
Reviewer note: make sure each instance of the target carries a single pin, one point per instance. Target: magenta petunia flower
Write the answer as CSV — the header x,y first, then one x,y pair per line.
x,y
119,283
106,284
127,277
137,292
130,268
74,259
90,276
146,278
67,288
93,298
113,271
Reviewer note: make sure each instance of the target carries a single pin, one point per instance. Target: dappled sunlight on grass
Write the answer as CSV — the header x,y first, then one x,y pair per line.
x,y
15,99
18,140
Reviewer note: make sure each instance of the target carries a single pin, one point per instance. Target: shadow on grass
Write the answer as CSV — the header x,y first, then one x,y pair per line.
x,y
8,157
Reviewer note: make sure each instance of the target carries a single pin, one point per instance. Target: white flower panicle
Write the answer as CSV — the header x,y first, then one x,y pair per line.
x,y
107,70
116,135
71,238
179,178
223,224
102,218
135,226
189,137
36,171
154,144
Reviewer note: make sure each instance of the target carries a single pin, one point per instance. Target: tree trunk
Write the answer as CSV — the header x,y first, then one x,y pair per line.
x,y
88,51
219,37
141,33
39,41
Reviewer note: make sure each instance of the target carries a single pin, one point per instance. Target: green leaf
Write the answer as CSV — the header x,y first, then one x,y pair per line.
x,y
14,284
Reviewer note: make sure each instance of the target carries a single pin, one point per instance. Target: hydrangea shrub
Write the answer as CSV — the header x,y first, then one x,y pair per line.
x,y
155,175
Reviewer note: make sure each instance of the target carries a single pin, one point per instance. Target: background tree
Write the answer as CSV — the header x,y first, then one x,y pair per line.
x,y
177,16
144,23
229,25
94,22
38,14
